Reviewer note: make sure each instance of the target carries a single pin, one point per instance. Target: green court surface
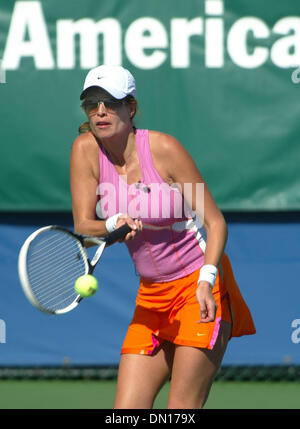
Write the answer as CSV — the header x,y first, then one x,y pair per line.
x,y
98,394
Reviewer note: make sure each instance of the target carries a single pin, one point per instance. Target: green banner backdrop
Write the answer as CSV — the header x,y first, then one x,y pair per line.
x,y
221,76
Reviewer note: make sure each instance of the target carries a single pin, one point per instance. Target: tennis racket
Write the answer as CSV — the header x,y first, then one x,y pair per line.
x,y
50,261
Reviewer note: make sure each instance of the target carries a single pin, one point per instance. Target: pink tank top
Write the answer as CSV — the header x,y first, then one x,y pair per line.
x,y
172,242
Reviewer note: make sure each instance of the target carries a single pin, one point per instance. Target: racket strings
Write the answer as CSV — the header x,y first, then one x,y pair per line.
x,y
41,262
54,261
41,259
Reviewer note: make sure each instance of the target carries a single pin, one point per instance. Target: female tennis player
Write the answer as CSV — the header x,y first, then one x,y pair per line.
x,y
188,304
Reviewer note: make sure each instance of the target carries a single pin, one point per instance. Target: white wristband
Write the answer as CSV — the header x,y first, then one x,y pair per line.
x,y
208,273
111,222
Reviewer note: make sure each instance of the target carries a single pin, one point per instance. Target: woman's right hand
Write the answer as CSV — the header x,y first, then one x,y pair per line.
x,y
136,226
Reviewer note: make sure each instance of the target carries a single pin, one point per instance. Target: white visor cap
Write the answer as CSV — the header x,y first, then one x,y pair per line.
x,y
116,80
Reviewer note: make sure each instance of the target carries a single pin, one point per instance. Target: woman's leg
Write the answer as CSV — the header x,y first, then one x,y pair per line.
x,y
194,370
141,377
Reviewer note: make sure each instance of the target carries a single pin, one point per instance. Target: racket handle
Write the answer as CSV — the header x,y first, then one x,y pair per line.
x,y
117,234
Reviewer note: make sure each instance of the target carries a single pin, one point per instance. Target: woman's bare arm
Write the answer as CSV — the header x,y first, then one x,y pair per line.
x,y
181,169
84,181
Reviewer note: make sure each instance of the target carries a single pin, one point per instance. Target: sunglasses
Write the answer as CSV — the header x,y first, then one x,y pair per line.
x,y
91,105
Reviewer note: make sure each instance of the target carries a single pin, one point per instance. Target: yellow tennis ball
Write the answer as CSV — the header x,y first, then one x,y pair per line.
x,y
86,285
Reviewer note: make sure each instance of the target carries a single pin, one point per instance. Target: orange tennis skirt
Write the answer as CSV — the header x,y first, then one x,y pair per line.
x,y
170,311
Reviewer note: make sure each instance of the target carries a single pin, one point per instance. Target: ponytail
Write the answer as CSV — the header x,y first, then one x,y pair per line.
x,y
84,128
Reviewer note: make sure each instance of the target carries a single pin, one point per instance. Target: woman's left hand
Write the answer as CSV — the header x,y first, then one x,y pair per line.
x,y
136,226
208,306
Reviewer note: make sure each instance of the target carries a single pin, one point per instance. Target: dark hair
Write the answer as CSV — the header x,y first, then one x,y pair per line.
x,y
129,100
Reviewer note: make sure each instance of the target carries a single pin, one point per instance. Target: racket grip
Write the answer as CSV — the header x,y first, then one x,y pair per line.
x,y
117,234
